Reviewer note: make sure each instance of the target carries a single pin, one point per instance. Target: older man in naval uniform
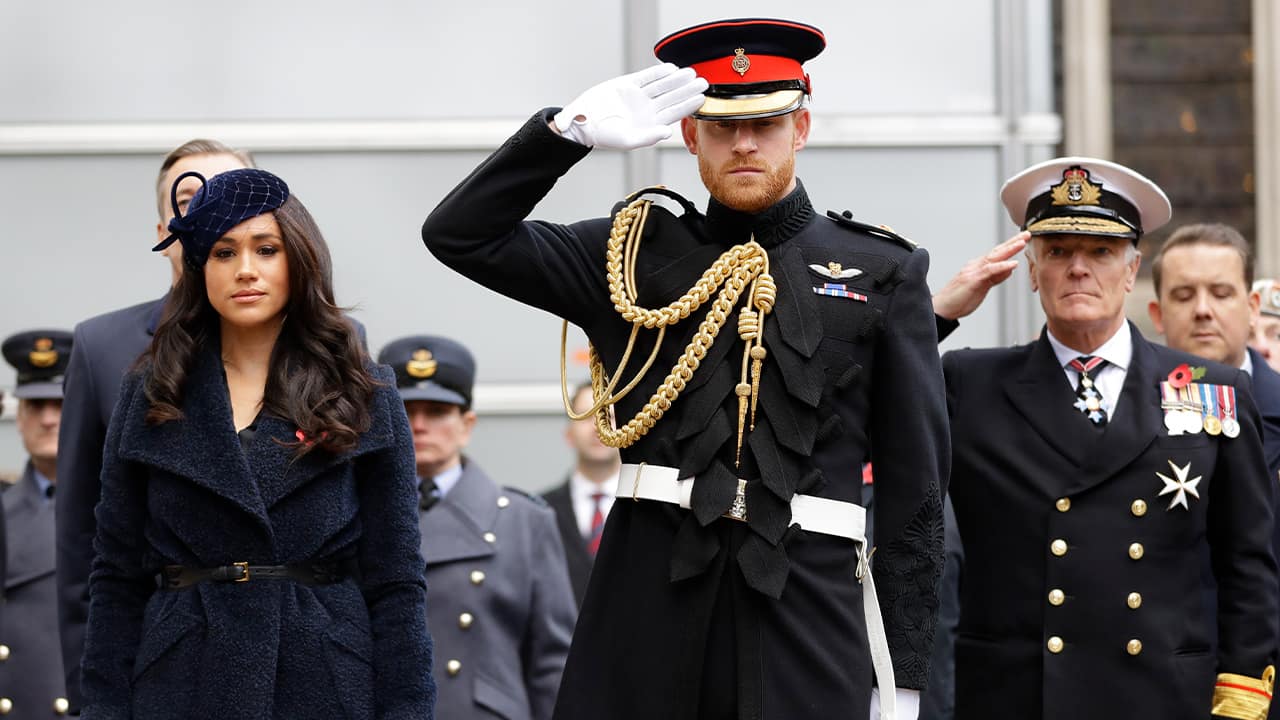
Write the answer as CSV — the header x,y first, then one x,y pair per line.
x,y
1093,473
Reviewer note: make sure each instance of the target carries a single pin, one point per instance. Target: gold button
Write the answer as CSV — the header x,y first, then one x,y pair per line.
x,y
61,706
1057,597
490,538
503,501
1058,547
1136,550
1138,508
1055,644
1134,600
1134,647
1063,504
6,706
453,667
4,653
477,577
465,620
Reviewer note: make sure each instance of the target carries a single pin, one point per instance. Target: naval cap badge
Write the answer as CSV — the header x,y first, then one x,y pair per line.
x,y
1076,189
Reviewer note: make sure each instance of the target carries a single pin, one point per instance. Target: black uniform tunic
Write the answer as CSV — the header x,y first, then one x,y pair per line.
x,y
687,614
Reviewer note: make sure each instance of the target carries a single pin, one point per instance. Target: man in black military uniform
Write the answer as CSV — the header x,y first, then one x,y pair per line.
x,y
501,610
105,347
731,578
1093,473
31,677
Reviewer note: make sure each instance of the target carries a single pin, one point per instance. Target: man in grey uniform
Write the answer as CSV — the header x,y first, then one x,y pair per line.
x,y
31,681
500,605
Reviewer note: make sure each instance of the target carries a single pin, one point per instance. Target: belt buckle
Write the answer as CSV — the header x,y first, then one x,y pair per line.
x,y
244,567
738,510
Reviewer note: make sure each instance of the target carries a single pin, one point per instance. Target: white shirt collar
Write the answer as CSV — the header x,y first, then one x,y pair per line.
x,y
1117,350
1247,365
582,489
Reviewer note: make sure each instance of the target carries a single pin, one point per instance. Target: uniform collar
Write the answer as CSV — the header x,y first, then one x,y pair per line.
x,y
447,479
1117,350
775,225
1247,365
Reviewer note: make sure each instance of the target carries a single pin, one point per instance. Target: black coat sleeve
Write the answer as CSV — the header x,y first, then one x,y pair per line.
x,y
80,439
478,228
911,444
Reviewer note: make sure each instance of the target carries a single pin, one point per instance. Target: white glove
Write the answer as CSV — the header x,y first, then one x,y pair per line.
x,y
908,702
632,111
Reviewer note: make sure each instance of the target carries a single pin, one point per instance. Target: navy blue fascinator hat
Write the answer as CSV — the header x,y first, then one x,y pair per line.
x,y
220,204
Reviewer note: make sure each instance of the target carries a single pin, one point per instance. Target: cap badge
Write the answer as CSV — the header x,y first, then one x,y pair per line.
x,y
1075,188
421,365
741,63
43,355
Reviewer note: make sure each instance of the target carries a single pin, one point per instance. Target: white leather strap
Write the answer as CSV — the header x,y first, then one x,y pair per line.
x,y
814,514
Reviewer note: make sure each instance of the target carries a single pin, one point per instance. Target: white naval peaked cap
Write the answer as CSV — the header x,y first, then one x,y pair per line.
x,y
1085,196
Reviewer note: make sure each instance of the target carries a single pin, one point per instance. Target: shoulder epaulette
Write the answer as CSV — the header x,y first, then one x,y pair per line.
x,y
881,231
535,499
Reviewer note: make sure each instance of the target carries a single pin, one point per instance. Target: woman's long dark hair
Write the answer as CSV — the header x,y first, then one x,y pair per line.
x,y
318,377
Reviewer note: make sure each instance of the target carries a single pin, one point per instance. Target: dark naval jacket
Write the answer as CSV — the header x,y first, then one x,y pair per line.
x,y
30,662
560,498
1083,585
686,612
185,493
501,610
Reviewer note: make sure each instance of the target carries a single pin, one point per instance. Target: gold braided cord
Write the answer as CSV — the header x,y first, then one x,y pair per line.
x,y
741,267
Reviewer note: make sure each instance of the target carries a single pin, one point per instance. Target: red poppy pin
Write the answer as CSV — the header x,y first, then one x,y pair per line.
x,y
306,439
1182,375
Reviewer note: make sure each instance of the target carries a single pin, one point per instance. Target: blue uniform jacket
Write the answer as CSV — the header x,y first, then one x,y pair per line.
x,y
185,493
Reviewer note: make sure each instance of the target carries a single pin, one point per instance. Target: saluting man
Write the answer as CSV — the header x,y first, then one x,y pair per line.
x,y
1093,474
31,677
772,349
501,610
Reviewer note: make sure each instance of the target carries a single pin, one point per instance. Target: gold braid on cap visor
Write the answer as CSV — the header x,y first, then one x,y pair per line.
x,y
741,267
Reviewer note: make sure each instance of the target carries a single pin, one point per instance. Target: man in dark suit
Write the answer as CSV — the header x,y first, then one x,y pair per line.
x,y
1203,275
735,579
1092,473
104,348
31,675
500,607
582,502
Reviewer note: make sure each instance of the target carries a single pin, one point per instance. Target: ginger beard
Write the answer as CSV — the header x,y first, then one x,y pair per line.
x,y
749,193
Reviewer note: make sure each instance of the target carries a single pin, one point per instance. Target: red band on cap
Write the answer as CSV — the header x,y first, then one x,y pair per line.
x,y
764,68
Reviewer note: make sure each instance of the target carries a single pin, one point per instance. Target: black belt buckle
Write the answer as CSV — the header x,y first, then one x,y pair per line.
x,y
244,575
235,572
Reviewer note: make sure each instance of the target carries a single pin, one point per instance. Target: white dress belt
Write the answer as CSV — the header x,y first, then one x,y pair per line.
x,y
814,514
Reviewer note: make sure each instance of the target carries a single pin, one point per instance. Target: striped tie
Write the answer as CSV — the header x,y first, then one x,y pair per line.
x,y
1088,400
597,525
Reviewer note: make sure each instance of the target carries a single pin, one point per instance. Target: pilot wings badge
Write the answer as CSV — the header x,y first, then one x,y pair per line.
x,y
835,271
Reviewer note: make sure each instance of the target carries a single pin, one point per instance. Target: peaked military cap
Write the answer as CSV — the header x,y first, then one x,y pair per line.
x,y
431,368
1269,290
221,203
40,357
753,66
1085,196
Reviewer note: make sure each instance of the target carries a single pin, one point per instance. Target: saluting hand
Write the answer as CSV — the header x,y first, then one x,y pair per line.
x,y
632,111
964,292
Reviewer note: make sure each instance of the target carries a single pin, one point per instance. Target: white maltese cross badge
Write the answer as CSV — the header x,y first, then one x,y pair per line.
x,y
1180,486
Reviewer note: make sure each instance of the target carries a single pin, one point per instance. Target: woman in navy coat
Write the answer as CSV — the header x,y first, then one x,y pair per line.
x,y
257,546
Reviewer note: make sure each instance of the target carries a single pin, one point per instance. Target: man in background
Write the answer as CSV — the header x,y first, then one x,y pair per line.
x,y
501,609
583,500
31,676
1266,332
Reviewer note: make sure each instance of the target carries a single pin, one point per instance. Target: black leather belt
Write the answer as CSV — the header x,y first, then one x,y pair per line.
x,y
176,577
